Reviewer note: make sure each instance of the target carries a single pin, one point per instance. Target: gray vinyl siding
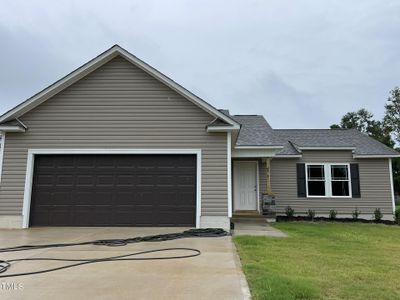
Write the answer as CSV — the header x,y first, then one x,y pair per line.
x,y
374,184
117,106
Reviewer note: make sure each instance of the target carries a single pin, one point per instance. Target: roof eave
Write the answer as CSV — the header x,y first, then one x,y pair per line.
x,y
92,65
326,148
376,155
258,147
12,128
222,128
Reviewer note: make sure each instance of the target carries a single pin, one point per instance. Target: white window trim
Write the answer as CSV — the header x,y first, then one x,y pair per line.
x,y
229,171
33,152
328,180
391,185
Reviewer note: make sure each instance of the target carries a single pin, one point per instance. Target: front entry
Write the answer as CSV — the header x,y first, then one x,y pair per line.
x,y
245,185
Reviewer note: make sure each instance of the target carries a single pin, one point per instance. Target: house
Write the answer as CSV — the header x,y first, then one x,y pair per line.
x,y
117,143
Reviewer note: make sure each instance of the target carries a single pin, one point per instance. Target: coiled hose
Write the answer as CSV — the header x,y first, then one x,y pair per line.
x,y
5,265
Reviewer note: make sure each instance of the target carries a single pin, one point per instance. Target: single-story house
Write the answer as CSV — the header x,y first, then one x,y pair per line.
x,y
117,143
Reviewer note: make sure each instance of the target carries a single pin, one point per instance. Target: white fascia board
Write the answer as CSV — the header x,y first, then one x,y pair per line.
x,y
258,147
253,153
289,156
12,129
99,61
326,148
58,86
221,128
176,87
375,156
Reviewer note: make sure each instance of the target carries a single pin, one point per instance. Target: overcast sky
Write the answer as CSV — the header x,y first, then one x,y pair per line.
x,y
302,64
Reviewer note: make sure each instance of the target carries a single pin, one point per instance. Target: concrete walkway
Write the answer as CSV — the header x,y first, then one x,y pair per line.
x,y
257,227
215,274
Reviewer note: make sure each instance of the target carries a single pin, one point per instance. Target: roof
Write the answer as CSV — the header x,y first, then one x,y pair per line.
x,y
97,62
255,131
350,139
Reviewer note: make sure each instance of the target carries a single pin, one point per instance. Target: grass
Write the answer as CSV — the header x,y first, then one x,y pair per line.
x,y
323,261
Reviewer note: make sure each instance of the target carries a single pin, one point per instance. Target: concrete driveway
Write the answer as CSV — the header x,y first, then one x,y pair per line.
x,y
215,274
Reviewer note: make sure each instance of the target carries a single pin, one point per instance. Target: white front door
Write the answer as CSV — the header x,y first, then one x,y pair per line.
x,y
245,185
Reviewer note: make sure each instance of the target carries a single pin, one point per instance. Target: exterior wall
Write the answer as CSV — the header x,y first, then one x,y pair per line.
x,y
118,106
375,185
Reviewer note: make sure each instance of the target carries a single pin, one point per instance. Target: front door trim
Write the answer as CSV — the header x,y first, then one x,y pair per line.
x,y
257,182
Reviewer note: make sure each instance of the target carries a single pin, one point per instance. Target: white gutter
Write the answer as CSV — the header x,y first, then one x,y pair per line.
x,y
326,148
375,156
221,128
258,147
12,129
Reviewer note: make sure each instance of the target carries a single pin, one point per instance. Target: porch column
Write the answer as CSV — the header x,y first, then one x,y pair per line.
x,y
268,176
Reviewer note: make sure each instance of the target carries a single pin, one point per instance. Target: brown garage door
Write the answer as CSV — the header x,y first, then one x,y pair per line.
x,y
114,190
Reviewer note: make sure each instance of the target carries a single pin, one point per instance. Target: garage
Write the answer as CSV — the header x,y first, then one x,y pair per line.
x,y
114,190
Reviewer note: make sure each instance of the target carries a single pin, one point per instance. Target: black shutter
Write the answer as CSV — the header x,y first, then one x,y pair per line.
x,y
301,180
355,181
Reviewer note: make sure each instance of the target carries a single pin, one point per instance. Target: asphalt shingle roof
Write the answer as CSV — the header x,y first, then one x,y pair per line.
x,y
256,131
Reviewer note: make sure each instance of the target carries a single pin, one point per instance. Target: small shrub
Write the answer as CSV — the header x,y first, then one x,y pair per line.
x,y
378,215
397,216
289,212
356,213
332,214
311,214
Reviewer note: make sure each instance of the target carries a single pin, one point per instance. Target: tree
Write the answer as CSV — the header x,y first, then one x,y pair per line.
x,y
392,113
363,121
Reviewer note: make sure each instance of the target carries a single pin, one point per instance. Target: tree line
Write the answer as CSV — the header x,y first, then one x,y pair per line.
x,y
386,130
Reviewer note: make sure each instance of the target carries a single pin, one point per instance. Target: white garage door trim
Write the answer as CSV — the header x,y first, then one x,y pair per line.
x,y
33,152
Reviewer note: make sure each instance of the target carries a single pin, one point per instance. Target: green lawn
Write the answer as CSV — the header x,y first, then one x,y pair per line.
x,y
323,261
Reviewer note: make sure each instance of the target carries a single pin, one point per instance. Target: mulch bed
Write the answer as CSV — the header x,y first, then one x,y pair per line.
x,y
342,220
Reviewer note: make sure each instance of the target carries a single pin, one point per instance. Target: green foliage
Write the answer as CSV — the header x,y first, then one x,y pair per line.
x,y
397,216
363,121
332,214
355,213
392,112
381,130
311,214
378,215
289,212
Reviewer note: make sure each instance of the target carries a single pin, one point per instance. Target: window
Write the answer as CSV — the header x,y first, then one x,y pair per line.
x,y
316,180
340,182
328,180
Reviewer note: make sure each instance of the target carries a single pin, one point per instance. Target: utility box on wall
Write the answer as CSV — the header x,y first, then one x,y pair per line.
x,y
268,204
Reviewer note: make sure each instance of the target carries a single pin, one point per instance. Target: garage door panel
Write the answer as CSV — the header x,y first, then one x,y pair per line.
x,y
85,180
44,180
114,190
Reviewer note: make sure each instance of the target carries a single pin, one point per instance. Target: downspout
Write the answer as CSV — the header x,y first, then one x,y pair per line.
x,y
2,144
